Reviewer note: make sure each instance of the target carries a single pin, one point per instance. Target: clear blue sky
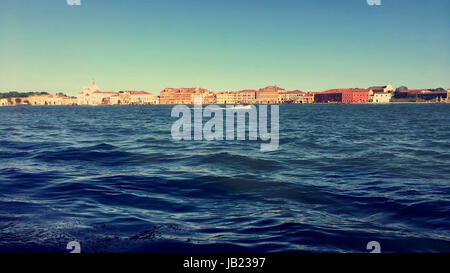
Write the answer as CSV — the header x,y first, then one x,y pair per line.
x,y
314,45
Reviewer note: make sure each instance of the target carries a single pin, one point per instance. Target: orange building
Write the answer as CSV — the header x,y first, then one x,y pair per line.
x,y
204,96
245,97
268,95
308,98
176,95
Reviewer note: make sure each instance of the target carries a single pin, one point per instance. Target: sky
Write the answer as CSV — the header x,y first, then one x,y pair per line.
x,y
311,45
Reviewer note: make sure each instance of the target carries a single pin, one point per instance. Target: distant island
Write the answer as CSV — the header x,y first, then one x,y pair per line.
x,y
91,95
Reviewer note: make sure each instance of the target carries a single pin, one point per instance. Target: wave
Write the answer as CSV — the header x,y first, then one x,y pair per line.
x,y
115,180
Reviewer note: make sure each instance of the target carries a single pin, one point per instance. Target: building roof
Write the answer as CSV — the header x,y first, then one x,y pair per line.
x,y
345,90
137,92
272,88
105,92
41,96
291,92
415,91
377,87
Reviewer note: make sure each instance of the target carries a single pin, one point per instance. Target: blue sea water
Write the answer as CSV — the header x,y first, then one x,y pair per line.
x,y
113,179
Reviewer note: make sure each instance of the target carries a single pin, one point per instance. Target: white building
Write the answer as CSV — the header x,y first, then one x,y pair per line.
x,y
290,96
142,97
381,97
93,96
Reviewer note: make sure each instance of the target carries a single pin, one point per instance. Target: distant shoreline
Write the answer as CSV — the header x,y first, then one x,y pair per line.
x,y
269,95
123,105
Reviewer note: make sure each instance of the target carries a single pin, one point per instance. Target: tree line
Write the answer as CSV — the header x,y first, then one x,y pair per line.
x,y
16,94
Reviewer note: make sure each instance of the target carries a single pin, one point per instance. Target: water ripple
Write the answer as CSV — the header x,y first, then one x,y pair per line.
x,y
113,179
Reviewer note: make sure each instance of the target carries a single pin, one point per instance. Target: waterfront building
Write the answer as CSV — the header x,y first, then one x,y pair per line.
x,y
360,96
17,101
176,95
101,97
308,98
121,98
84,97
204,96
420,95
268,95
12,101
42,99
245,97
381,97
295,96
352,95
54,100
115,99
68,100
4,102
39,99
432,96
93,96
448,96
347,96
140,97
133,97
226,97
328,97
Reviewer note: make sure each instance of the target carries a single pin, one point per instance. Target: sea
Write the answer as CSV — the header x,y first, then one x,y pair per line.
x,y
112,179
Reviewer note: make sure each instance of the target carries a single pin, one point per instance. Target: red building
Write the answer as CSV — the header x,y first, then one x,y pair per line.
x,y
347,96
352,95
360,96
328,97
176,95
